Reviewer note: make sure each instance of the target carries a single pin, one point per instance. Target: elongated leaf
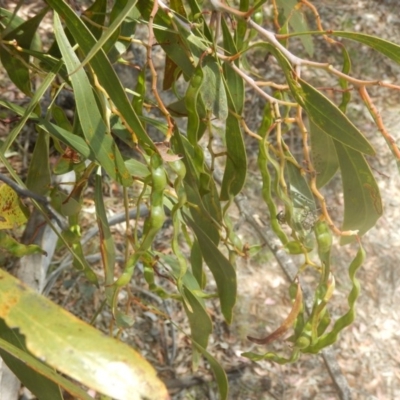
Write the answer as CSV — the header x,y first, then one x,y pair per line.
x,y
328,117
321,111
108,32
39,179
236,163
16,249
103,69
222,270
170,40
32,107
97,14
107,247
199,320
212,90
234,83
199,187
323,154
24,366
93,126
297,22
75,348
218,371
15,62
362,200
299,189
389,49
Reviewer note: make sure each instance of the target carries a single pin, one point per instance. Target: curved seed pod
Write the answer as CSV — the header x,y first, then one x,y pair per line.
x,y
344,321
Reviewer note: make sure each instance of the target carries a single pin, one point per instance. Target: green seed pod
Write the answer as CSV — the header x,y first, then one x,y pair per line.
x,y
324,237
159,179
302,342
179,168
294,247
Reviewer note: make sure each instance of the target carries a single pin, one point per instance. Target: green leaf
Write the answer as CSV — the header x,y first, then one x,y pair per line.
x,y
107,247
199,320
297,22
16,249
299,189
39,178
212,89
344,84
15,62
200,187
389,49
137,169
32,107
234,83
218,371
222,270
328,117
97,14
171,41
107,33
362,200
196,262
324,155
75,348
236,162
103,69
93,126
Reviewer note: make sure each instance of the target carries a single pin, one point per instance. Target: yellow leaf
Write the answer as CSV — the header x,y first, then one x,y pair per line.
x,y
12,212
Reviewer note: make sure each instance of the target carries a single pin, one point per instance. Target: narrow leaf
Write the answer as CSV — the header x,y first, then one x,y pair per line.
x,y
389,49
321,111
16,249
199,320
324,155
222,270
328,117
107,248
93,126
236,163
218,371
108,33
212,89
15,62
103,69
39,178
362,200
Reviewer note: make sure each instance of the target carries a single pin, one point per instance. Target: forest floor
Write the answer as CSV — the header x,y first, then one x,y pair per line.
x,y
367,352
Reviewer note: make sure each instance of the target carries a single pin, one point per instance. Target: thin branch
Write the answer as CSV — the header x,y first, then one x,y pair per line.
x,y
254,84
113,220
378,121
154,72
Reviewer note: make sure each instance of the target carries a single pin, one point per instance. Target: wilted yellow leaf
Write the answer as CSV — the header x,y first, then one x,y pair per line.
x,y
12,212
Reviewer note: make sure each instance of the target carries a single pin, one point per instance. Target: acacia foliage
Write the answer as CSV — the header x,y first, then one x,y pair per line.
x,y
206,67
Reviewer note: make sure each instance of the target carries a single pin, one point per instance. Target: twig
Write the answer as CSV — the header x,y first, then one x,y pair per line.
x,y
44,201
114,220
154,74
